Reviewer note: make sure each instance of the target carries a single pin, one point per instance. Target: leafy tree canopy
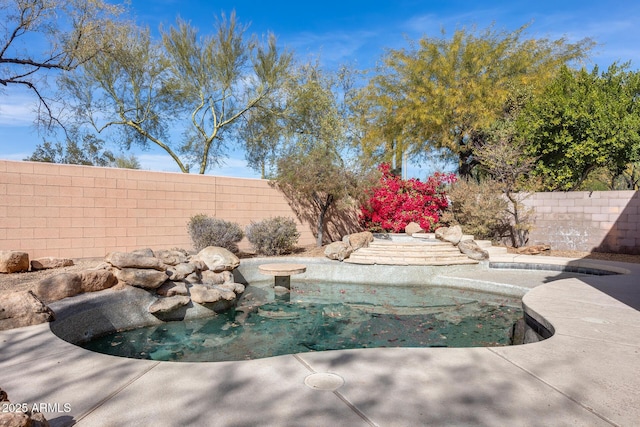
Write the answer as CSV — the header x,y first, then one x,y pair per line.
x,y
90,153
581,121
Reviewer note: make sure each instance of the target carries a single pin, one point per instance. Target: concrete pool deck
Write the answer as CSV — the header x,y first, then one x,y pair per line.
x,y
586,374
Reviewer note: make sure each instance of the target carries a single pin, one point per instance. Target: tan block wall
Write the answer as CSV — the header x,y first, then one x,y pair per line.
x,y
80,211
587,221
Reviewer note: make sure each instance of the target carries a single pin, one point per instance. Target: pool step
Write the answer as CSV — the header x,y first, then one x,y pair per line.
x,y
386,247
408,253
395,260
423,251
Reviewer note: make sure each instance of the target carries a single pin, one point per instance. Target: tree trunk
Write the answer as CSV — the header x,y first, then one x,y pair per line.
x,y
323,206
320,228
465,163
518,235
397,163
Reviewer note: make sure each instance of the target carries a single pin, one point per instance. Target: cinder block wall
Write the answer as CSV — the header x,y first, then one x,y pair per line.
x,y
603,221
79,211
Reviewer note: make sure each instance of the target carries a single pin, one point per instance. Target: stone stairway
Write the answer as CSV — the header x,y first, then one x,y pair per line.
x,y
421,250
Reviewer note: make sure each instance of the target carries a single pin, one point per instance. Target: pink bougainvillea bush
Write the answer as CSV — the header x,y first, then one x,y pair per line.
x,y
395,202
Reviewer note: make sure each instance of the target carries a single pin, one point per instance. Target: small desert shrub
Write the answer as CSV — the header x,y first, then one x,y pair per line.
x,y
207,231
273,236
480,209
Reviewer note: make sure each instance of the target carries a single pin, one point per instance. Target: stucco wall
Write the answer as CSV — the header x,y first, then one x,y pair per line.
x,y
582,220
79,211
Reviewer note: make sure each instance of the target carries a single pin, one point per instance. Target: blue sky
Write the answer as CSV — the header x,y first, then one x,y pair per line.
x,y
358,32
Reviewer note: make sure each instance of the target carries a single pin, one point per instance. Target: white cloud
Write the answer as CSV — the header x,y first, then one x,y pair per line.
x,y
335,47
17,110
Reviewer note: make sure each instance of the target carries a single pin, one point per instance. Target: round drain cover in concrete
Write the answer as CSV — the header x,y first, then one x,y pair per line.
x,y
324,381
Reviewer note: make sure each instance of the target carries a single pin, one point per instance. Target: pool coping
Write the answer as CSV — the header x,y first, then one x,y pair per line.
x,y
587,373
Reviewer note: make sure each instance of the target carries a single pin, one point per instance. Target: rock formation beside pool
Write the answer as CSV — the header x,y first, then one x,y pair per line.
x,y
177,279
173,277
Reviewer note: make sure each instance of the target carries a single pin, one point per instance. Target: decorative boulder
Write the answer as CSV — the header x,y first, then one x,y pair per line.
x,y
471,249
194,277
413,227
50,262
171,257
13,261
169,289
133,260
238,288
60,286
23,308
144,252
449,234
359,240
142,277
217,259
65,285
204,295
212,278
180,271
338,251
168,304
97,280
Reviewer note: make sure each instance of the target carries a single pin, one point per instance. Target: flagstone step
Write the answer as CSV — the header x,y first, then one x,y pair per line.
x,y
423,249
385,249
395,260
408,255
432,236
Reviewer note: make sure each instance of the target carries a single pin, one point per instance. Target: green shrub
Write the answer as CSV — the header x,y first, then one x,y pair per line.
x,y
207,231
273,236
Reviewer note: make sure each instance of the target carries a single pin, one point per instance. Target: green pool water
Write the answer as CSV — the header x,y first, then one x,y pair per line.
x,y
319,317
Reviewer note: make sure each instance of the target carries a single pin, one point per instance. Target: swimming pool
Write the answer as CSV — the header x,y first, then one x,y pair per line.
x,y
372,293
325,316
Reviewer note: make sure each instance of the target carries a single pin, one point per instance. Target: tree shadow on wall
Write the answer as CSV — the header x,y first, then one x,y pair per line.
x,y
622,238
340,219
624,235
